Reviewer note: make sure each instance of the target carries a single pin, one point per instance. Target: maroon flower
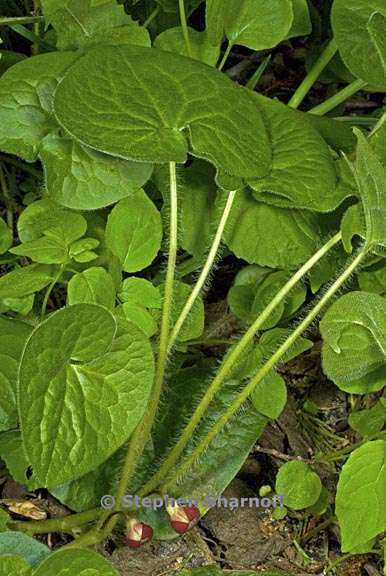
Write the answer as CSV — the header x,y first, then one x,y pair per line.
x,y
183,518
138,533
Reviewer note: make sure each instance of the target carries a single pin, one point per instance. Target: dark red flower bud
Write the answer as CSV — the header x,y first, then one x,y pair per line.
x,y
138,533
183,518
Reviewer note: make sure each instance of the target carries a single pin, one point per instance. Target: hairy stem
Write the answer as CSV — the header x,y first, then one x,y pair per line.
x,y
338,98
65,524
253,383
205,272
185,29
316,70
227,366
225,57
141,434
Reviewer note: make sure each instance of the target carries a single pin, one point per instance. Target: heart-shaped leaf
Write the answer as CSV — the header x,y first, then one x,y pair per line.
x,y
83,23
257,233
361,488
134,232
26,92
87,381
137,109
371,179
13,336
253,23
19,544
359,29
83,179
14,565
302,173
75,562
354,348
93,285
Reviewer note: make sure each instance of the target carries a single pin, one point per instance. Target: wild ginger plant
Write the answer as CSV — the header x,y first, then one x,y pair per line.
x,y
147,149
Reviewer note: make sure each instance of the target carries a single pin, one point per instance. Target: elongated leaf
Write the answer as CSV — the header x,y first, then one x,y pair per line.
x,y
81,178
354,348
43,250
13,336
359,29
361,488
26,92
80,23
128,114
24,281
371,180
134,232
257,233
76,562
89,383
302,173
93,285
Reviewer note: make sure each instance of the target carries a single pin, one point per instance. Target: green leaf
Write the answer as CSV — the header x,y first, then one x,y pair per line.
x,y
361,488
140,291
299,485
24,281
371,179
301,25
19,544
354,342
218,466
359,27
76,562
370,421
6,237
302,173
13,336
4,519
353,224
194,324
26,93
172,40
251,23
21,306
140,317
134,232
93,285
215,17
84,23
12,452
46,217
86,492
83,179
198,192
43,250
373,279
172,5
14,565
270,396
247,301
89,382
140,111
257,233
